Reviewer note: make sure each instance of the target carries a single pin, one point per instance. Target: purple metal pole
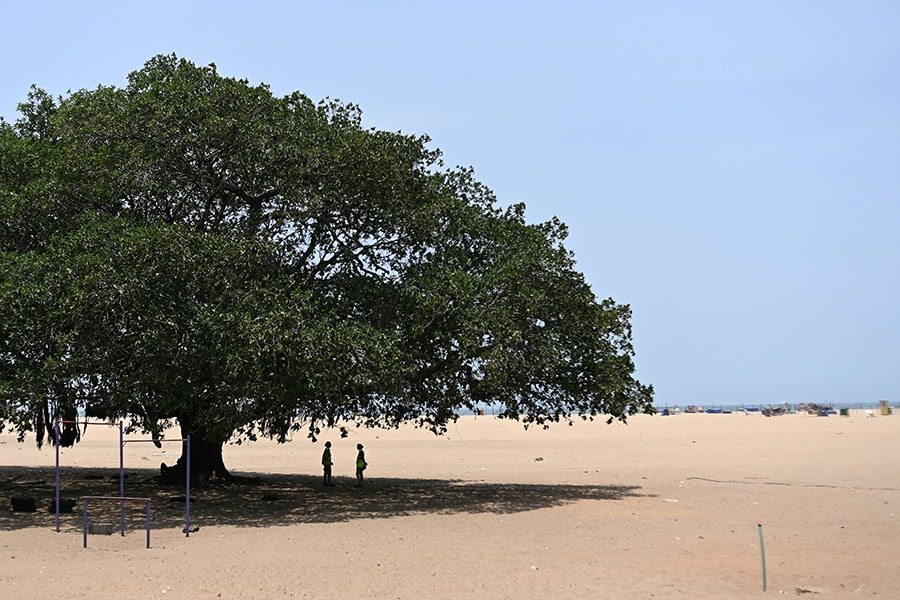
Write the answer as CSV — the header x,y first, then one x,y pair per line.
x,y
148,523
187,492
57,475
85,522
122,476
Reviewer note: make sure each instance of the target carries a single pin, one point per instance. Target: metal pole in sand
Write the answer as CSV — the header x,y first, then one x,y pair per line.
x,y
57,475
762,549
85,520
122,476
187,490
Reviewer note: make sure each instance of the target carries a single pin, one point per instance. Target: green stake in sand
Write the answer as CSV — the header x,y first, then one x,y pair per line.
x,y
762,550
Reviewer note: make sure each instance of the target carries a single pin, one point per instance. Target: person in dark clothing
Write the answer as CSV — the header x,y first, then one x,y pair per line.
x,y
326,464
361,464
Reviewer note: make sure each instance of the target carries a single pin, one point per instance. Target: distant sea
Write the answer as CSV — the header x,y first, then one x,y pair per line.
x,y
790,406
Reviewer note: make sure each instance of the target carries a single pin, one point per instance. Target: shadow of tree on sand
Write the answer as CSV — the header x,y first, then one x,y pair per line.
x,y
275,499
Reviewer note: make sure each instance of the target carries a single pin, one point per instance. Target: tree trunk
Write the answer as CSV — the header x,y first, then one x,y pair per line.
x,y
206,461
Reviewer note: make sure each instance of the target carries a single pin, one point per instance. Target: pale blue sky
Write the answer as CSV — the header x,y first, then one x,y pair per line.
x,y
729,169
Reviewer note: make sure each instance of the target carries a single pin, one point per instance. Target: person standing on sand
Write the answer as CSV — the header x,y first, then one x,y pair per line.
x,y
361,464
326,464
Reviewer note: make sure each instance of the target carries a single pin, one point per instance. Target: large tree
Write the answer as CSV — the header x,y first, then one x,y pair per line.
x,y
192,247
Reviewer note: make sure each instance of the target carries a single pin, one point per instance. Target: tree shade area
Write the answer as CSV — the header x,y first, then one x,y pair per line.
x,y
192,248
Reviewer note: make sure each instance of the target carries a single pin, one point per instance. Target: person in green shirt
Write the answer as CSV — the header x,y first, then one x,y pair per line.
x,y
361,464
326,464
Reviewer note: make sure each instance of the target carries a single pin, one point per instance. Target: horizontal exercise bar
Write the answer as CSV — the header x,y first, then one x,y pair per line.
x,y
119,498
122,500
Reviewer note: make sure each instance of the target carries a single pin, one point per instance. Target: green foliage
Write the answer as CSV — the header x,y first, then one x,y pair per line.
x,y
193,247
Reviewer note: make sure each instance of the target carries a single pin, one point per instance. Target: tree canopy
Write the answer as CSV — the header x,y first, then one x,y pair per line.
x,y
194,247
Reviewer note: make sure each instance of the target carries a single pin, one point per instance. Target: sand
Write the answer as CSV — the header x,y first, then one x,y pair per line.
x,y
664,507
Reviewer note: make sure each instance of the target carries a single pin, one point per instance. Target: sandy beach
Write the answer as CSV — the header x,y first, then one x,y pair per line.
x,y
663,507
